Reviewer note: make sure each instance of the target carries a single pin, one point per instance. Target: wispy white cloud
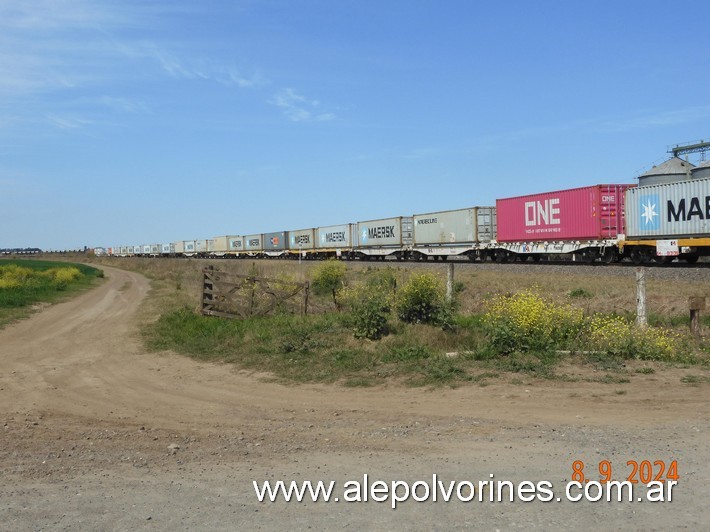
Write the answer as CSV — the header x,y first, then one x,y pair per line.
x,y
124,105
50,45
299,108
57,14
201,69
68,122
53,50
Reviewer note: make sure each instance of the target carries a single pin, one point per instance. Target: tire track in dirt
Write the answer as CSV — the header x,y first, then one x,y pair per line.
x,y
87,417
84,358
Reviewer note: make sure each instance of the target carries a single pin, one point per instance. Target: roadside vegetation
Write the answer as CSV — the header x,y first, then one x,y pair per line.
x,y
27,283
373,325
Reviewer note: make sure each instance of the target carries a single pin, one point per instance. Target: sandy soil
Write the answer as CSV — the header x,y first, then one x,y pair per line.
x,y
97,434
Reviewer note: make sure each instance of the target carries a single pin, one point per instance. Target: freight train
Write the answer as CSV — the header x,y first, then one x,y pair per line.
x,y
658,222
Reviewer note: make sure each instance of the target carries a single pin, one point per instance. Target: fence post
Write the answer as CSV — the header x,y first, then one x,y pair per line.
x,y
641,320
696,304
207,289
306,286
450,283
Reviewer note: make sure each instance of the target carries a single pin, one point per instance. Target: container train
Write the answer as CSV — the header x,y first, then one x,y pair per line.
x,y
659,222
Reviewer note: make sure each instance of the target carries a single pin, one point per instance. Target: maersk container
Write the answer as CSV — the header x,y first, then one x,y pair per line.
x,y
275,241
138,250
462,226
385,232
301,240
680,209
167,249
154,249
235,243
588,213
124,250
335,236
253,243
189,246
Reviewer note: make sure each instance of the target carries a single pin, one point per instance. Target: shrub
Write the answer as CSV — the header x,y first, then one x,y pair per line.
x,y
62,277
617,336
13,276
370,309
329,278
580,293
526,321
384,279
422,300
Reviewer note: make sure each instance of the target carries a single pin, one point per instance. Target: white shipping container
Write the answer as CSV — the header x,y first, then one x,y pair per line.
x,y
678,209
235,243
301,240
221,244
179,246
189,246
462,226
252,242
385,232
335,236
201,246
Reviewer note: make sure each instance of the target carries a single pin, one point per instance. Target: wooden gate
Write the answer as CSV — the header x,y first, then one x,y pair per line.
x,y
230,295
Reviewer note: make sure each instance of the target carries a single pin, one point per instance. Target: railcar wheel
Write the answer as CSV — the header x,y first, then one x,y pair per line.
x,y
640,256
501,256
610,256
588,256
663,260
692,259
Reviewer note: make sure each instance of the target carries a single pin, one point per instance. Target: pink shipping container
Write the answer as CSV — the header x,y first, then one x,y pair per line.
x,y
588,213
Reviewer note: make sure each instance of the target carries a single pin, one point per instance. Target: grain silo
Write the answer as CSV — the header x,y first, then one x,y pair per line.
x,y
701,171
674,169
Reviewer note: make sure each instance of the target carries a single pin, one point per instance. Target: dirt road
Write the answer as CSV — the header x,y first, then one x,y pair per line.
x,y
98,434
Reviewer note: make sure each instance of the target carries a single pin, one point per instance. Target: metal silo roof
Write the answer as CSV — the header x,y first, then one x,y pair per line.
x,y
673,166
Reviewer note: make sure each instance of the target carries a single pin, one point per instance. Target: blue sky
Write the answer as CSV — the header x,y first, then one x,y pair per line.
x,y
137,121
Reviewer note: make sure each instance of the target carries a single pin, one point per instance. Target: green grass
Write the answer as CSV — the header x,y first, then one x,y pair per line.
x,y
25,283
321,347
314,348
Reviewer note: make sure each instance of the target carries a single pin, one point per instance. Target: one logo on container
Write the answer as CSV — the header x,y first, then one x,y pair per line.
x,y
649,215
363,236
274,241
